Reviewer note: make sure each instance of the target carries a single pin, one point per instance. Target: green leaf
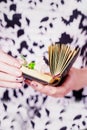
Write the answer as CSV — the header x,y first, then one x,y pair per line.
x,y
31,65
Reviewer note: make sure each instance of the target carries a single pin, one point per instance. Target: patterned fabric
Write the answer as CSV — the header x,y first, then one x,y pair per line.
x,y
28,28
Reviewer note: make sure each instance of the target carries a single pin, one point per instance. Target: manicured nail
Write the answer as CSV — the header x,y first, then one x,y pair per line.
x,y
19,79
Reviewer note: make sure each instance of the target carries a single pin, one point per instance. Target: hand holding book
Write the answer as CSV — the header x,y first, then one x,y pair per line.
x,y
62,75
61,58
76,79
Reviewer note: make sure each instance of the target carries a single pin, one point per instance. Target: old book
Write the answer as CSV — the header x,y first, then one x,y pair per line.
x,y
61,59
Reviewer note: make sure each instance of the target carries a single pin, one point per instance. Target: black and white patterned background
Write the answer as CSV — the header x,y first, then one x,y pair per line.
x,y
28,27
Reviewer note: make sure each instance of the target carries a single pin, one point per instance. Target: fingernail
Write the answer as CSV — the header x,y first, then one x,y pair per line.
x,y
17,65
20,85
18,73
21,61
19,79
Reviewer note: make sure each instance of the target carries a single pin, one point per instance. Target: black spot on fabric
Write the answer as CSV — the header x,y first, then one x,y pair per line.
x,y
28,21
63,128
5,117
44,19
68,97
20,32
33,124
78,0
25,86
20,105
82,26
23,45
6,96
52,3
12,120
41,0
60,118
51,25
40,27
47,123
13,7
41,46
62,111
12,127
10,53
84,123
73,125
75,15
14,21
36,99
65,38
30,1
78,94
21,92
44,99
5,1
62,2
45,28
35,44
46,60
77,117
27,101
83,49
47,112
5,107
37,113
31,51
15,93
18,112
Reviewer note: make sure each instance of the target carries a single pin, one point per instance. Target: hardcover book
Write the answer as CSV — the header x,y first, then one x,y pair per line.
x,y
60,59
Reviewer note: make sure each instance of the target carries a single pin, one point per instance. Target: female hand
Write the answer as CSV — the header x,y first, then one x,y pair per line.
x,y
76,79
10,73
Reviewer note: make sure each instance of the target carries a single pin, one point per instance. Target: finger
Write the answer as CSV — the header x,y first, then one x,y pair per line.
x,y
10,85
59,91
43,89
36,85
10,78
21,61
9,59
10,69
51,91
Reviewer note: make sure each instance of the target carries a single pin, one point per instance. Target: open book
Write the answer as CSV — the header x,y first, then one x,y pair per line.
x,y
61,59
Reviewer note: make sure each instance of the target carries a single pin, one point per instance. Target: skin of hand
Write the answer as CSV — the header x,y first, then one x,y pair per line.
x,y
76,79
10,73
